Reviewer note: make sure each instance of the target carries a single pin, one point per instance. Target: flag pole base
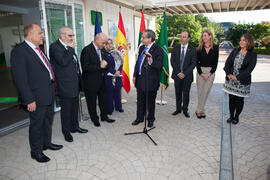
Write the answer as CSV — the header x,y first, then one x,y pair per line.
x,y
161,102
123,101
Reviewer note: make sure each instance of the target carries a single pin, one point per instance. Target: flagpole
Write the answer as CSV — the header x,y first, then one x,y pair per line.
x,y
161,102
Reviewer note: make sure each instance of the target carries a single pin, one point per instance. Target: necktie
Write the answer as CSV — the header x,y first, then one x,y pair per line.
x,y
50,69
47,63
141,60
182,58
99,54
76,63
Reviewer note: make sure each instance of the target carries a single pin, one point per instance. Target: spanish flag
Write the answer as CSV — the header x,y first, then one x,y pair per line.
x,y
121,45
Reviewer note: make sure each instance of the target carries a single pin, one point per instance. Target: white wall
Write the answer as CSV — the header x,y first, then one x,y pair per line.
x,y
10,24
8,40
32,17
111,12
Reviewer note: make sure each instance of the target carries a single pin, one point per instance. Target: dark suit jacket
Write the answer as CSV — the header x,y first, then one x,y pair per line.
x,y
93,76
31,76
247,67
66,74
189,63
153,69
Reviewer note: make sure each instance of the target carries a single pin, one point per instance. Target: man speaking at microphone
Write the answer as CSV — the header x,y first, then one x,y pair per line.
x,y
146,77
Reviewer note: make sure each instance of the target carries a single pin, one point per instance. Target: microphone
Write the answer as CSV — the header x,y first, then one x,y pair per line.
x,y
147,55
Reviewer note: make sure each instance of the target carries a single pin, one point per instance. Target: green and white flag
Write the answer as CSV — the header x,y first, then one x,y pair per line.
x,y
163,43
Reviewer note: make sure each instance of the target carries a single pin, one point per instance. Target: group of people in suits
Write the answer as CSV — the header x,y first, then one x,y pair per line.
x,y
40,78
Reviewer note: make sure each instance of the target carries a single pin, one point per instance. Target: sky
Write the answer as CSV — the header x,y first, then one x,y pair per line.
x,y
256,16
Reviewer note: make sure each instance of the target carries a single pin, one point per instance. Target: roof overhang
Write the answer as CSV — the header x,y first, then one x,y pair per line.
x,y
178,7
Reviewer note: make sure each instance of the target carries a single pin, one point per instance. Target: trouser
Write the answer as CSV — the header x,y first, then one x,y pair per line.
x,y
91,100
203,88
236,105
40,128
69,113
114,94
182,89
142,97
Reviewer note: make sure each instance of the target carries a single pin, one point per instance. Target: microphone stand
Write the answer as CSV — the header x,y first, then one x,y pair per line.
x,y
145,130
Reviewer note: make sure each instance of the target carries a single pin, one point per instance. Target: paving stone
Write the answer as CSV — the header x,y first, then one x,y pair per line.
x,y
187,148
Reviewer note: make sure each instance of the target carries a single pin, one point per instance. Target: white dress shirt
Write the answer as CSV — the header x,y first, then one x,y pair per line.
x,y
37,52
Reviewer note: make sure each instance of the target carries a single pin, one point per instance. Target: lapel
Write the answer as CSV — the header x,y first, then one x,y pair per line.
x,y
64,48
32,52
95,52
153,47
151,50
246,57
187,53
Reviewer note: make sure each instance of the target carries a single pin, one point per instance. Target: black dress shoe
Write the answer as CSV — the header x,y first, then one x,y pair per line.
x,y
53,147
176,112
229,120
198,115
235,121
120,110
187,114
108,120
96,123
203,115
79,130
40,157
150,124
68,137
136,122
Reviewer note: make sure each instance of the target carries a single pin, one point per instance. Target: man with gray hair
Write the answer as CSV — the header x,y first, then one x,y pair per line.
x,y
94,66
67,74
146,77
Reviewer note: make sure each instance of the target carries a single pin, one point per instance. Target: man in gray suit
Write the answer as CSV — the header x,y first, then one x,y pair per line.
x,y
183,61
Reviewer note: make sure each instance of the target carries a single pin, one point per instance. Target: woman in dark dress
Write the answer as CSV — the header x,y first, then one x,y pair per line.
x,y
238,68
114,78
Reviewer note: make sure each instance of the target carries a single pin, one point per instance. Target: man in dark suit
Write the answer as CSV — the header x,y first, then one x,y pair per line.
x,y
94,65
67,74
146,77
34,78
183,61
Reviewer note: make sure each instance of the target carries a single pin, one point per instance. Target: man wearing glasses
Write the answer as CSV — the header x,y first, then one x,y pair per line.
x,y
67,74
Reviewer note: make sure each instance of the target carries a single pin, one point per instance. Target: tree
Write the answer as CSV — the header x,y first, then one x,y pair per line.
x,y
194,24
236,31
215,28
259,32
176,24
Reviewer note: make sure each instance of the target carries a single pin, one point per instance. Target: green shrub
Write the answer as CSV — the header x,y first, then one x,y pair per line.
x,y
262,51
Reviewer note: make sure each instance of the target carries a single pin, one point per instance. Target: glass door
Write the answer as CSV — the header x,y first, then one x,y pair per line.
x,y
57,15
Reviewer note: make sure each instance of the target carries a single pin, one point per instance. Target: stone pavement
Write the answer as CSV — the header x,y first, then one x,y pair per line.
x,y
187,148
